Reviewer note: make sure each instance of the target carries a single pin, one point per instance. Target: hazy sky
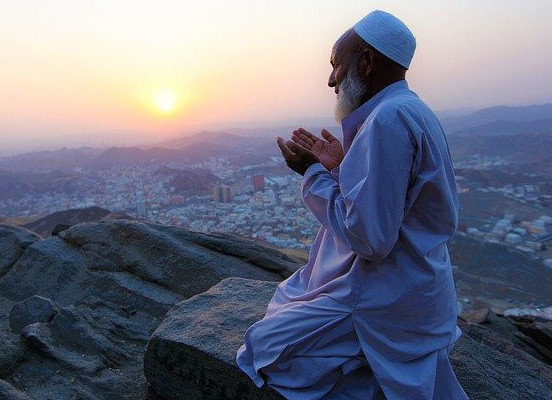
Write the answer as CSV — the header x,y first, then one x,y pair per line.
x,y
113,68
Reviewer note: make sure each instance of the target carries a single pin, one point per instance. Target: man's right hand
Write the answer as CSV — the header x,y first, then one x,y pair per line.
x,y
328,150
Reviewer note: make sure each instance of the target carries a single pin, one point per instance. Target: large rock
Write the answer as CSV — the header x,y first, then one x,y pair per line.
x,y
54,223
48,268
134,257
191,354
112,283
13,242
536,333
491,366
183,262
34,309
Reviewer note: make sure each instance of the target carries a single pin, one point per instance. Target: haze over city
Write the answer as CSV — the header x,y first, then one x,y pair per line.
x,y
126,72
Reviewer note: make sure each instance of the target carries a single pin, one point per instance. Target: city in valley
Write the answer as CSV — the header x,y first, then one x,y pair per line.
x,y
229,183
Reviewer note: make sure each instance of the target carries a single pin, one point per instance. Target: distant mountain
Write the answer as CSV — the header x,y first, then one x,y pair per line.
x,y
63,159
245,146
20,184
508,128
222,139
455,112
241,150
503,115
513,113
534,148
133,156
188,182
199,151
285,130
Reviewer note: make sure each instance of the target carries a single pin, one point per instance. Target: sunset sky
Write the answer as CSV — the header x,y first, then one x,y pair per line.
x,y
117,71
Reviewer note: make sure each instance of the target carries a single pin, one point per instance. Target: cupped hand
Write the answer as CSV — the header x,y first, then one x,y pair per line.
x,y
328,150
297,157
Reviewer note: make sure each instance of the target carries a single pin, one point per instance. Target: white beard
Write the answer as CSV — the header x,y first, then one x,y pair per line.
x,y
349,96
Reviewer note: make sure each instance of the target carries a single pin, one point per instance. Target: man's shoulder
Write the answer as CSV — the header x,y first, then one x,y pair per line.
x,y
400,99
402,105
390,108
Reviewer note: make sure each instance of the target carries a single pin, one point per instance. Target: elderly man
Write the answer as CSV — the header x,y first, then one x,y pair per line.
x,y
372,315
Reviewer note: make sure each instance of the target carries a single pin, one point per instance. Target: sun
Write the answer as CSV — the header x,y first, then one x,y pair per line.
x,y
165,101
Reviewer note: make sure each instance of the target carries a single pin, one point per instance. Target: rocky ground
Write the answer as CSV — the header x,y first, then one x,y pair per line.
x,y
120,309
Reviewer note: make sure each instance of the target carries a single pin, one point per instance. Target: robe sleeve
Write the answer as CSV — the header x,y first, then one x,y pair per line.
x,y
365,208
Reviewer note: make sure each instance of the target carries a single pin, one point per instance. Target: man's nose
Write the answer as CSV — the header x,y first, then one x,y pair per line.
x,y
331,80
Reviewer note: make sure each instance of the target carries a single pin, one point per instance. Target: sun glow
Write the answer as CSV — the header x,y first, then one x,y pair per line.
x,y
165,102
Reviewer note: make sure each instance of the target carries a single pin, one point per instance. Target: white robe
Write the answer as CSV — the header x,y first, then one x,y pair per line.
x,y
373,312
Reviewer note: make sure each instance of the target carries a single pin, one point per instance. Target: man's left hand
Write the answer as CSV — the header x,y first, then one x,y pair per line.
x,y
297,157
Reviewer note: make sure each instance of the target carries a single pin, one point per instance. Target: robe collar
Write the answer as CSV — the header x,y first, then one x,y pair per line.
x,y
352,123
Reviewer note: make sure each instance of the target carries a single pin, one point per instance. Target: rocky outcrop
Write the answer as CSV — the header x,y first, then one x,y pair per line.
x,y
14,241
77,309
61,220
34,309
191,354
83,315
491,363
194,349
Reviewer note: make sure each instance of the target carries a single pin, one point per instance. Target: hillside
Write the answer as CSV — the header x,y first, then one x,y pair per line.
x,y
537,116
527,148
83,314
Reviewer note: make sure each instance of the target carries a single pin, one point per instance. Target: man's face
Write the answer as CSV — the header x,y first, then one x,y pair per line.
x,y
344,78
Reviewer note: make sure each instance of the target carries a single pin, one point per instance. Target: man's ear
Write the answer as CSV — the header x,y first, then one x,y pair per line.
x,y
366,62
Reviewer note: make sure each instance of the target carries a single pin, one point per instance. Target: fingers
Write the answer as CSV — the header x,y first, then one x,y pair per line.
x,y
292,150
296,148
328,136
302,141
286,152
305,135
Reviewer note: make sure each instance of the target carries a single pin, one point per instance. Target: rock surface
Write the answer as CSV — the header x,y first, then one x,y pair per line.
x,y
9,392
490,364
195,346
34,309
110,284
53,223
14,242
191,354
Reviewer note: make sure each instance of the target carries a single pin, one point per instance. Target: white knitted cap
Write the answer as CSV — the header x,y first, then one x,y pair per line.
x,y
388,35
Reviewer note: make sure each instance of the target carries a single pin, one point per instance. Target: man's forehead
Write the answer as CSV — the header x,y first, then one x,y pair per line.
x,y
345,43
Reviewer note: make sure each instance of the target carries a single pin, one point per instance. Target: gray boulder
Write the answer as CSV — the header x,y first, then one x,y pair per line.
x,y
491,364
191,354
13,242
34,309
112,283
48,268
180,261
